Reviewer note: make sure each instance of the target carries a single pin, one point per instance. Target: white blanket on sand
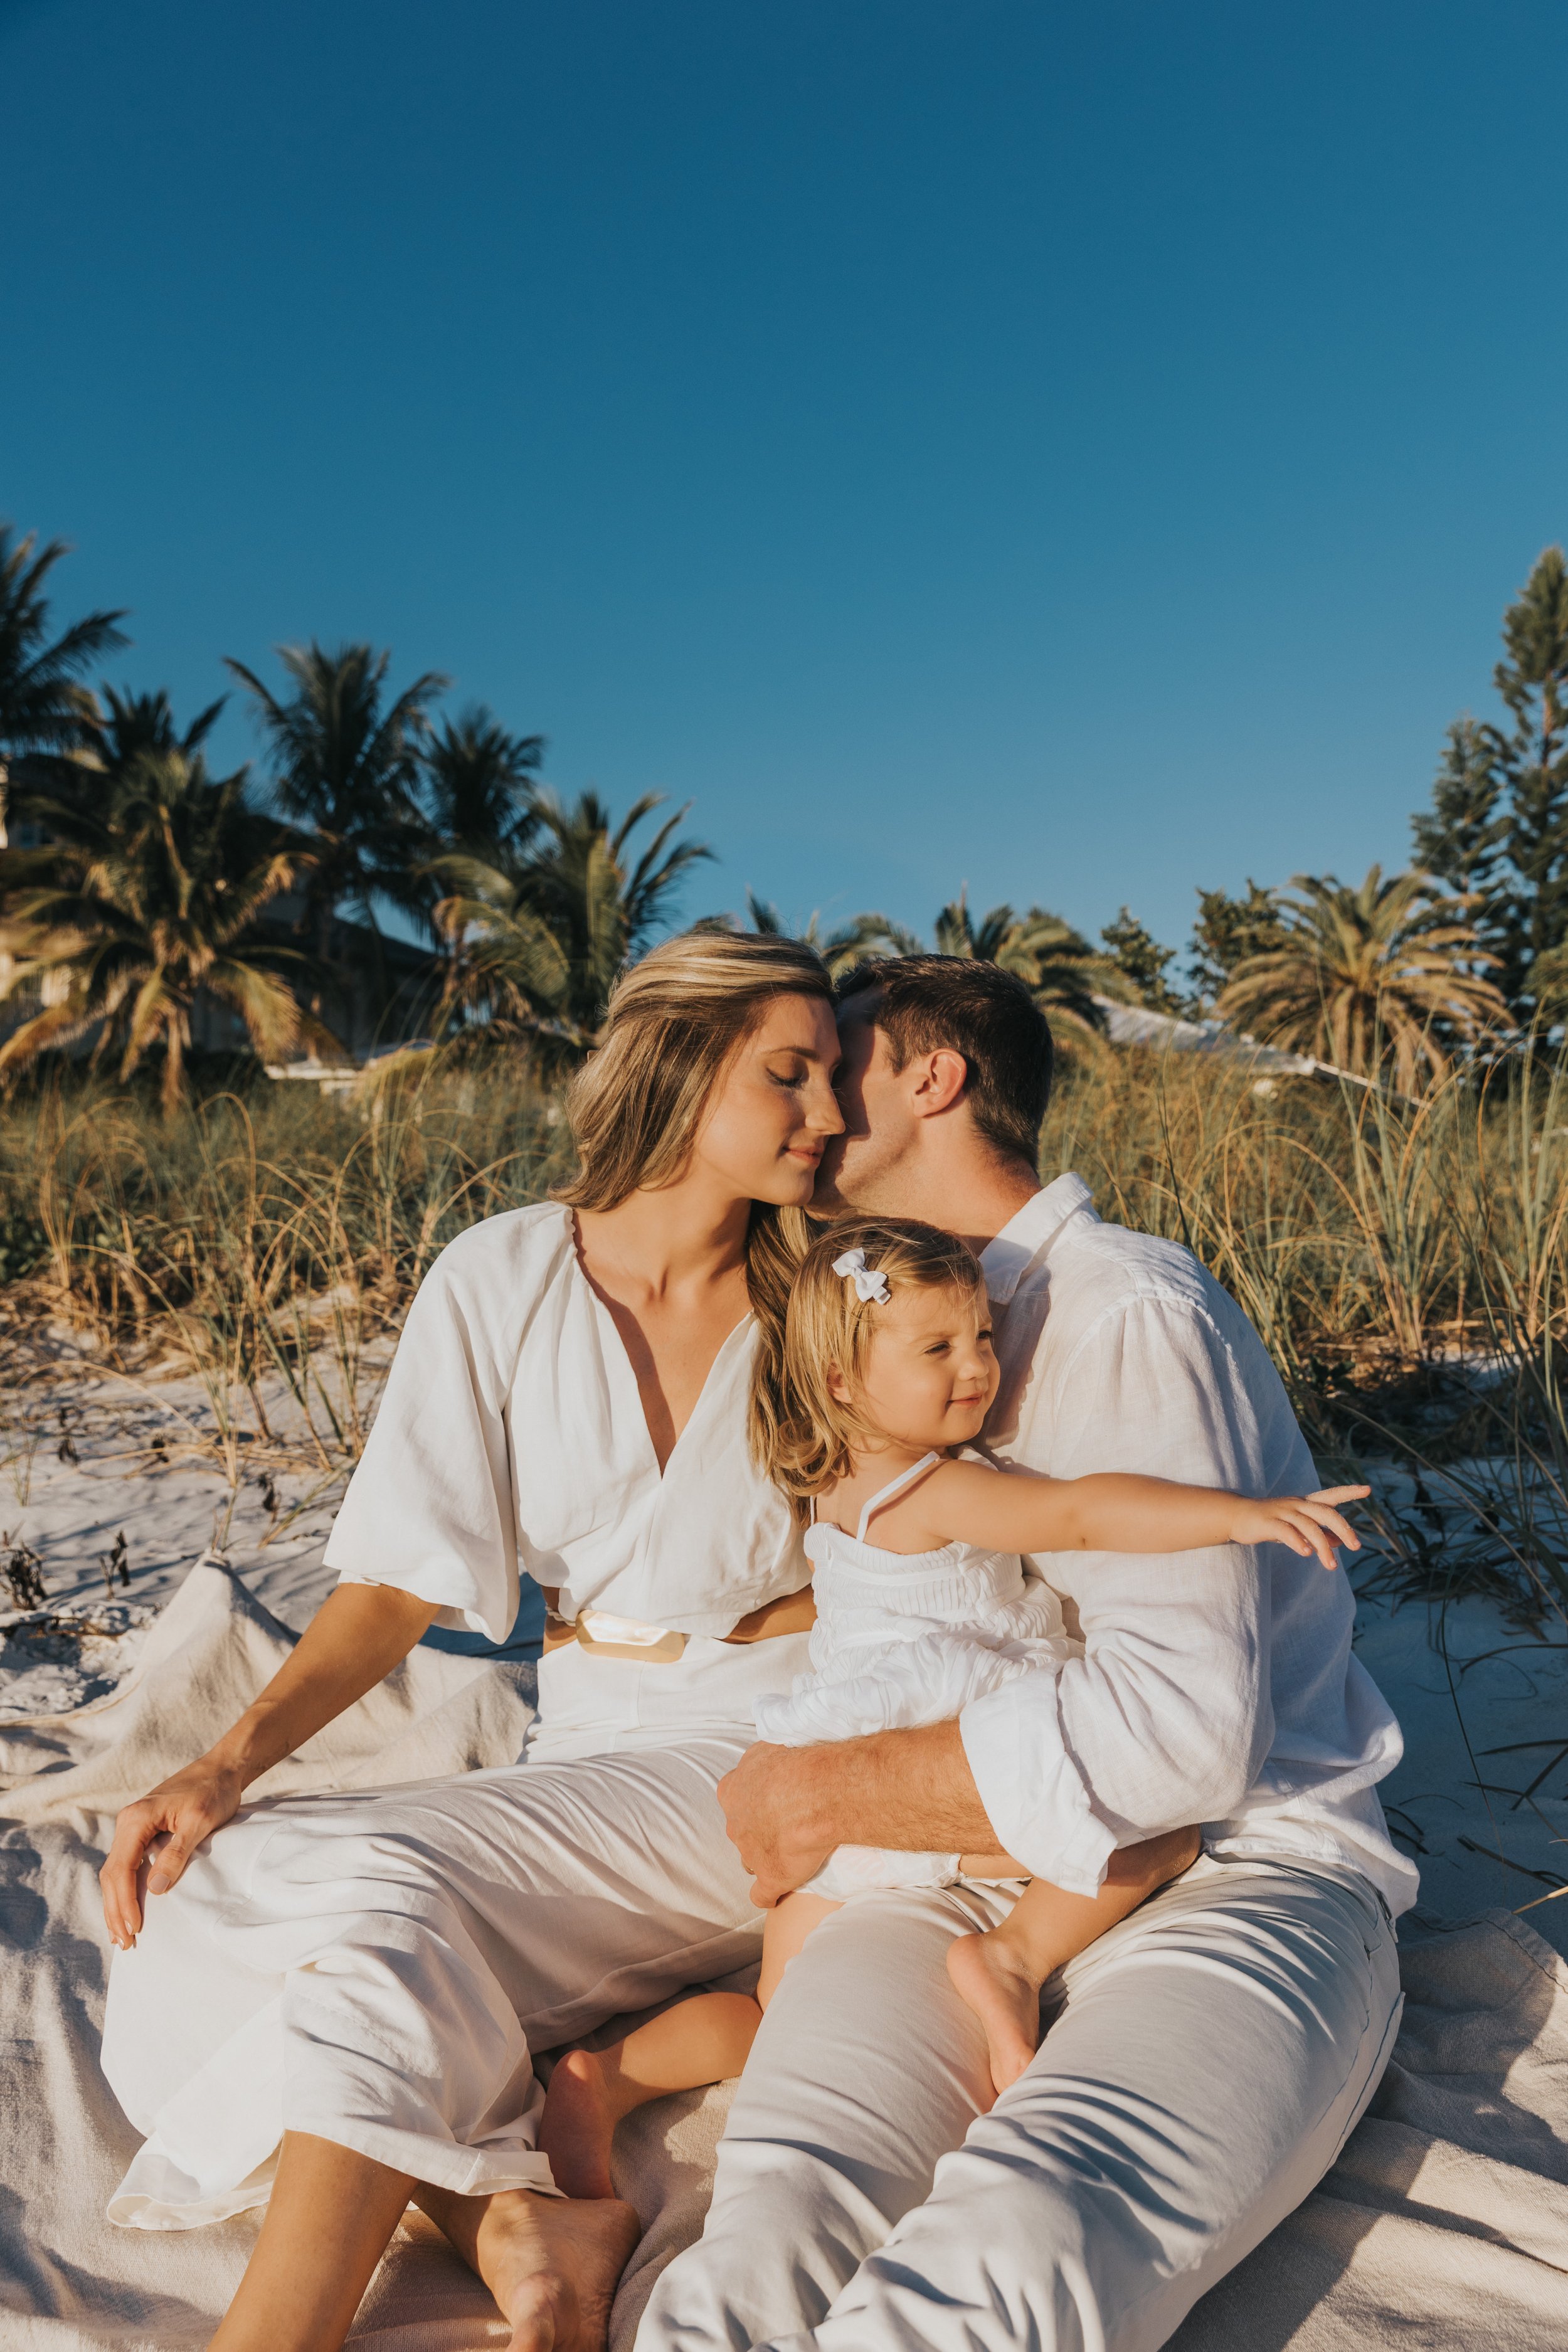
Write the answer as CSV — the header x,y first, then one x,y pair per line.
x,y
1444,2223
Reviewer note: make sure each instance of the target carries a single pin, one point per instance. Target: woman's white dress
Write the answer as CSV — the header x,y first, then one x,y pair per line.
x,y
376,1967
903,1639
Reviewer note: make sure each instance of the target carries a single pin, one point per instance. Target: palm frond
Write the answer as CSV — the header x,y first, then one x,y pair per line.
x,y
1385,976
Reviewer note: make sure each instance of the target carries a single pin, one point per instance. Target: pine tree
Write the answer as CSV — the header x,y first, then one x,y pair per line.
x,y
1498,826
1140,955
1531,764
1227,931
1460,839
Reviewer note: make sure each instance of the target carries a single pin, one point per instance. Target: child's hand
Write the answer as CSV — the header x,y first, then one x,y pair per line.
x,y
1308,1523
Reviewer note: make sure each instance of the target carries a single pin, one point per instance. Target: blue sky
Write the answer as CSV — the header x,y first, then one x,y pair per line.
x,y
1082,452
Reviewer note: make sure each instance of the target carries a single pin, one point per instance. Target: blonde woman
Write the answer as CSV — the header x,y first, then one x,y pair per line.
x,y
330,2008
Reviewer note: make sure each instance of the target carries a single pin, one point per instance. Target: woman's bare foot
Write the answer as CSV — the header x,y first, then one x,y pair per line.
x,y
990,1977
577,2127
552,2263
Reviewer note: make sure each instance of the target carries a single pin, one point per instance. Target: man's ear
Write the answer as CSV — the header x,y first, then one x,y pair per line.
x,y
940,1079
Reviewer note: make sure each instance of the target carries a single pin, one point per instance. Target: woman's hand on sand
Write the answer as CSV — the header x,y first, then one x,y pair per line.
x,y
162,1831
1308,1523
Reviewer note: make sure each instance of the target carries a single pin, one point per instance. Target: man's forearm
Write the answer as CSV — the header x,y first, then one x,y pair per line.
x,y
787,1808
912,1790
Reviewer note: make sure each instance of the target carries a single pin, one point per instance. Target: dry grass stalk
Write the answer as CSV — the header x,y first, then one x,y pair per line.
x,y
1404,1260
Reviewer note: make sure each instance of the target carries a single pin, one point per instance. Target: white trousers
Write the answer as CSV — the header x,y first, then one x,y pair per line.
x,y
1208,2059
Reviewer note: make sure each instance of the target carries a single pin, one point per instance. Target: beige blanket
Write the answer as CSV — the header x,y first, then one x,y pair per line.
x,y
1444,2224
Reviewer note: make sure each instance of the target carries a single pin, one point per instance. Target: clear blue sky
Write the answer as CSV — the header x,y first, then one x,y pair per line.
x,y
1079,451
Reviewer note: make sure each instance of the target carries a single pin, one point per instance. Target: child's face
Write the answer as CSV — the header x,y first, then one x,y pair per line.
x,y
932,1372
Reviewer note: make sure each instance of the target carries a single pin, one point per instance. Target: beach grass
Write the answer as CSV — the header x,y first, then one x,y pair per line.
x,y
1403,1260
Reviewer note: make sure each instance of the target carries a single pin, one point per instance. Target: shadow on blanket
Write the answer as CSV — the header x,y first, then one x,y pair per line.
x,y
1445,2222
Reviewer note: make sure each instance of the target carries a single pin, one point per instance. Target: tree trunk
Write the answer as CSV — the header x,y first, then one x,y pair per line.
x,y
176,1042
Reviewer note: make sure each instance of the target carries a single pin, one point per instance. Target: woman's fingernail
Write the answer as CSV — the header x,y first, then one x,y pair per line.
x,y
158,1884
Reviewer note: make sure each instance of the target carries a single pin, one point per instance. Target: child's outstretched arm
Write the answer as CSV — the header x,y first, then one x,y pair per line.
x,y
1120,1511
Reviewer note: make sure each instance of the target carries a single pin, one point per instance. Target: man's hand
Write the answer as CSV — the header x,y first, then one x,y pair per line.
x,y
787,1808
768,1801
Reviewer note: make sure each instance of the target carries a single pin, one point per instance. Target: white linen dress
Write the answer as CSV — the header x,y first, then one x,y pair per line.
x,y
903,1639
376,1967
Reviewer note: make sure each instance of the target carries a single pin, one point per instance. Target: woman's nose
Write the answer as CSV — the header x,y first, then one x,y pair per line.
x,y
824,1114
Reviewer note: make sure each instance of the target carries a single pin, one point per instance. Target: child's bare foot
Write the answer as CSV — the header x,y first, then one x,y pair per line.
x,y
989,1975
578,2125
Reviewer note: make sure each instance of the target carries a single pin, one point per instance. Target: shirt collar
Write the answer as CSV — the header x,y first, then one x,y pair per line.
x,y
1023,1239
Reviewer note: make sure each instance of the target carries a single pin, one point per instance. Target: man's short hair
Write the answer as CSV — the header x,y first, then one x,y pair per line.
x,y
927,1002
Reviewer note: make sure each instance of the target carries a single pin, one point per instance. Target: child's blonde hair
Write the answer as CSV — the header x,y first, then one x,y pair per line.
x,y
803,1435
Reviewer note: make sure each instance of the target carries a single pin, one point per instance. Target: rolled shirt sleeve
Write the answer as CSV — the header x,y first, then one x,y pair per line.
x,y
1165,1719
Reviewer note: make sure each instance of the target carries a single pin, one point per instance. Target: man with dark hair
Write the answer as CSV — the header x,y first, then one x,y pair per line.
x,y
1206,2059
923,1004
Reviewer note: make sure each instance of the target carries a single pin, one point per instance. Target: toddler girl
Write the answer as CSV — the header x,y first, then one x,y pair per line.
x,y
886,1376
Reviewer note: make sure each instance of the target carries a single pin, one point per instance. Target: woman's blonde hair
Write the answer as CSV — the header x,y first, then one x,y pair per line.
x,y
672,1022
803,1435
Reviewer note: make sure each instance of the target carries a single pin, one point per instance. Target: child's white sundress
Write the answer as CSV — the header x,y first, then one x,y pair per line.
x,y
903,1639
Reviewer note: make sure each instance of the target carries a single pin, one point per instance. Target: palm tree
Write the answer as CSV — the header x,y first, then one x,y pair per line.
x,y
43,708
1063,973
125,724
348,768
121,932
75,798
841,950
537,944
1385,973
480,787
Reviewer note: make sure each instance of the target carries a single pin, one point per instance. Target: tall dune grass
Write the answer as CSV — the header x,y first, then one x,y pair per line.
x,y
268,1242
1404,1260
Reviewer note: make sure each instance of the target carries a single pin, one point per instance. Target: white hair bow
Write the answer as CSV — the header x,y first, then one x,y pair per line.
x,y
871,1282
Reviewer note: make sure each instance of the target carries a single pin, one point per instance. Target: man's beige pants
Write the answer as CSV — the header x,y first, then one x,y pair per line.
x,y
1206,2063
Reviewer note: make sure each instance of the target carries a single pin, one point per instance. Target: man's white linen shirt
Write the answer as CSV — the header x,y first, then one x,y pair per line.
x,y
1217,1686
